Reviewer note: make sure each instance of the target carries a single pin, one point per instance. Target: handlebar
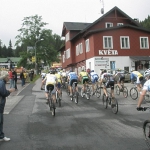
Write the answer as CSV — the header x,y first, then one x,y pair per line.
x,y
142,108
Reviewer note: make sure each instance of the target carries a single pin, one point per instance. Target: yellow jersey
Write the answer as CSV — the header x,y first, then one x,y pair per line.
x,y
83,74
58,76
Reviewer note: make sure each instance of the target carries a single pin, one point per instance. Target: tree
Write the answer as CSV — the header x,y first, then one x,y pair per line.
x,y
10,51
32,31
146,22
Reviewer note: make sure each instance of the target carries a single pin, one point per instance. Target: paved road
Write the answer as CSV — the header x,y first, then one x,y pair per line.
x,y
83,126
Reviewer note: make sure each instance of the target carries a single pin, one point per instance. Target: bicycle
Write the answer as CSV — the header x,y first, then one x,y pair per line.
x,y
87,92
97,90
146,127
108,100
58,99
63,85
124,90
134,92
50,100
74,93
147,97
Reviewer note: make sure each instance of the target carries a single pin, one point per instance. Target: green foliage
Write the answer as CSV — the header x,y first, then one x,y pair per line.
x,y
146,23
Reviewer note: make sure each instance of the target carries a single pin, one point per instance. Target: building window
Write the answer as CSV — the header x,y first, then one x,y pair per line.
x,y
87,45
144,44
77,50
107,42
119,24
81,49
67,37
124,42
68,53
108,24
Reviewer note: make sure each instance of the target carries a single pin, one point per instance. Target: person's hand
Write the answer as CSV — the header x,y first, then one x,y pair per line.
x,y
12,90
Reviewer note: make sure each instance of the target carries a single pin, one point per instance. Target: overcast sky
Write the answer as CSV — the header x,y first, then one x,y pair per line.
x,y
55,12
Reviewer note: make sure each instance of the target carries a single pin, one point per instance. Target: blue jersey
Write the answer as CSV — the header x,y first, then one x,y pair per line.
x,y
73,75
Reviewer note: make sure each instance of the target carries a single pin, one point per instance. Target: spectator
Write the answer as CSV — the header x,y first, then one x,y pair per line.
x,y
11,78
4,77
22,77
15,79
31,74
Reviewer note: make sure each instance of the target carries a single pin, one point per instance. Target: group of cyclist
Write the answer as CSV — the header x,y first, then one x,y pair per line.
x,y
105,80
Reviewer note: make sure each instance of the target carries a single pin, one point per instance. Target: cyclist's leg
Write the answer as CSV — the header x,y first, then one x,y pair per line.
x,y
138,84
70,87
112,89
59,89
104,89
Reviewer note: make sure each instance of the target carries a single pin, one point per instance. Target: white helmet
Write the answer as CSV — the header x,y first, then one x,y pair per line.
x,y
147,73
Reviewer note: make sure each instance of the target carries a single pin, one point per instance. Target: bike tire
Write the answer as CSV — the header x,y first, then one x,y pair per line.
x,y
117,90
59,102
105,101
88,93
98,92
76,98
147,98
125,92
81,93
133,93
114,106
146,131
53,110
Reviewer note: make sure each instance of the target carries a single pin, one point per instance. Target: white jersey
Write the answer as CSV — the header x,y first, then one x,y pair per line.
x,y
94,75
43,74
64,74
146,85
50,79
107,76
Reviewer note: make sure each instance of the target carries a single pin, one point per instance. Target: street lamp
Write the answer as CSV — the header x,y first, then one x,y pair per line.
x,y
35,55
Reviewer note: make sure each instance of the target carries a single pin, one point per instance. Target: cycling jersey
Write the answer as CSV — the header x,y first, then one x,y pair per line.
x,y
73,78
84,76
58,76
135,75
64,74
94,77
146,85
107,76
50,79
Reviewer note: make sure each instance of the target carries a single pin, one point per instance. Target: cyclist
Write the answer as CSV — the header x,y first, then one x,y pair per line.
x,y
84,79
88,72
51,80
72,77
94,79
108,80
146,87
135,75
59,81
119,75
64,77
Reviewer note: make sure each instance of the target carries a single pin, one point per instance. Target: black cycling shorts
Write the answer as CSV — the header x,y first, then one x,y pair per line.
x,y
110,84
50,87
71,82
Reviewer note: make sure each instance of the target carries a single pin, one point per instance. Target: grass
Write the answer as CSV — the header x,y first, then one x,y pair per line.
x,y
35,78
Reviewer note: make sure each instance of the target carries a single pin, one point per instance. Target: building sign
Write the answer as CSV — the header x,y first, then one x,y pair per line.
x,y
108,52
102,62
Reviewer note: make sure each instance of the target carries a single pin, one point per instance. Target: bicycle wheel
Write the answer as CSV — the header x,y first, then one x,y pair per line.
x,y
81,93
53,109
75,98
133,93
146,131
105,101
125,92
117,90
147,97
114,106
88,93
59,102
98,92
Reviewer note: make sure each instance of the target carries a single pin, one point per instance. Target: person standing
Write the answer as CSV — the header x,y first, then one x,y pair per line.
x,y
15,79
11,78
31,74
4,77
22,78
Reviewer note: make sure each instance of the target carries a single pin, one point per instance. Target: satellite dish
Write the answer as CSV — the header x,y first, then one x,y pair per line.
x,y
102,10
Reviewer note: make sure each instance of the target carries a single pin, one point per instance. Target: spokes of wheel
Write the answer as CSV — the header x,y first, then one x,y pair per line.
x,y
105,101
114,106
133,93
88,93
117,90
125,92
146,131
98,92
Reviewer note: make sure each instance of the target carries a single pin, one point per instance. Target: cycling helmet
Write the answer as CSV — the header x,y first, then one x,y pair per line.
x,y
92,70
52,71
88,70
104,71
70,70
147,73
